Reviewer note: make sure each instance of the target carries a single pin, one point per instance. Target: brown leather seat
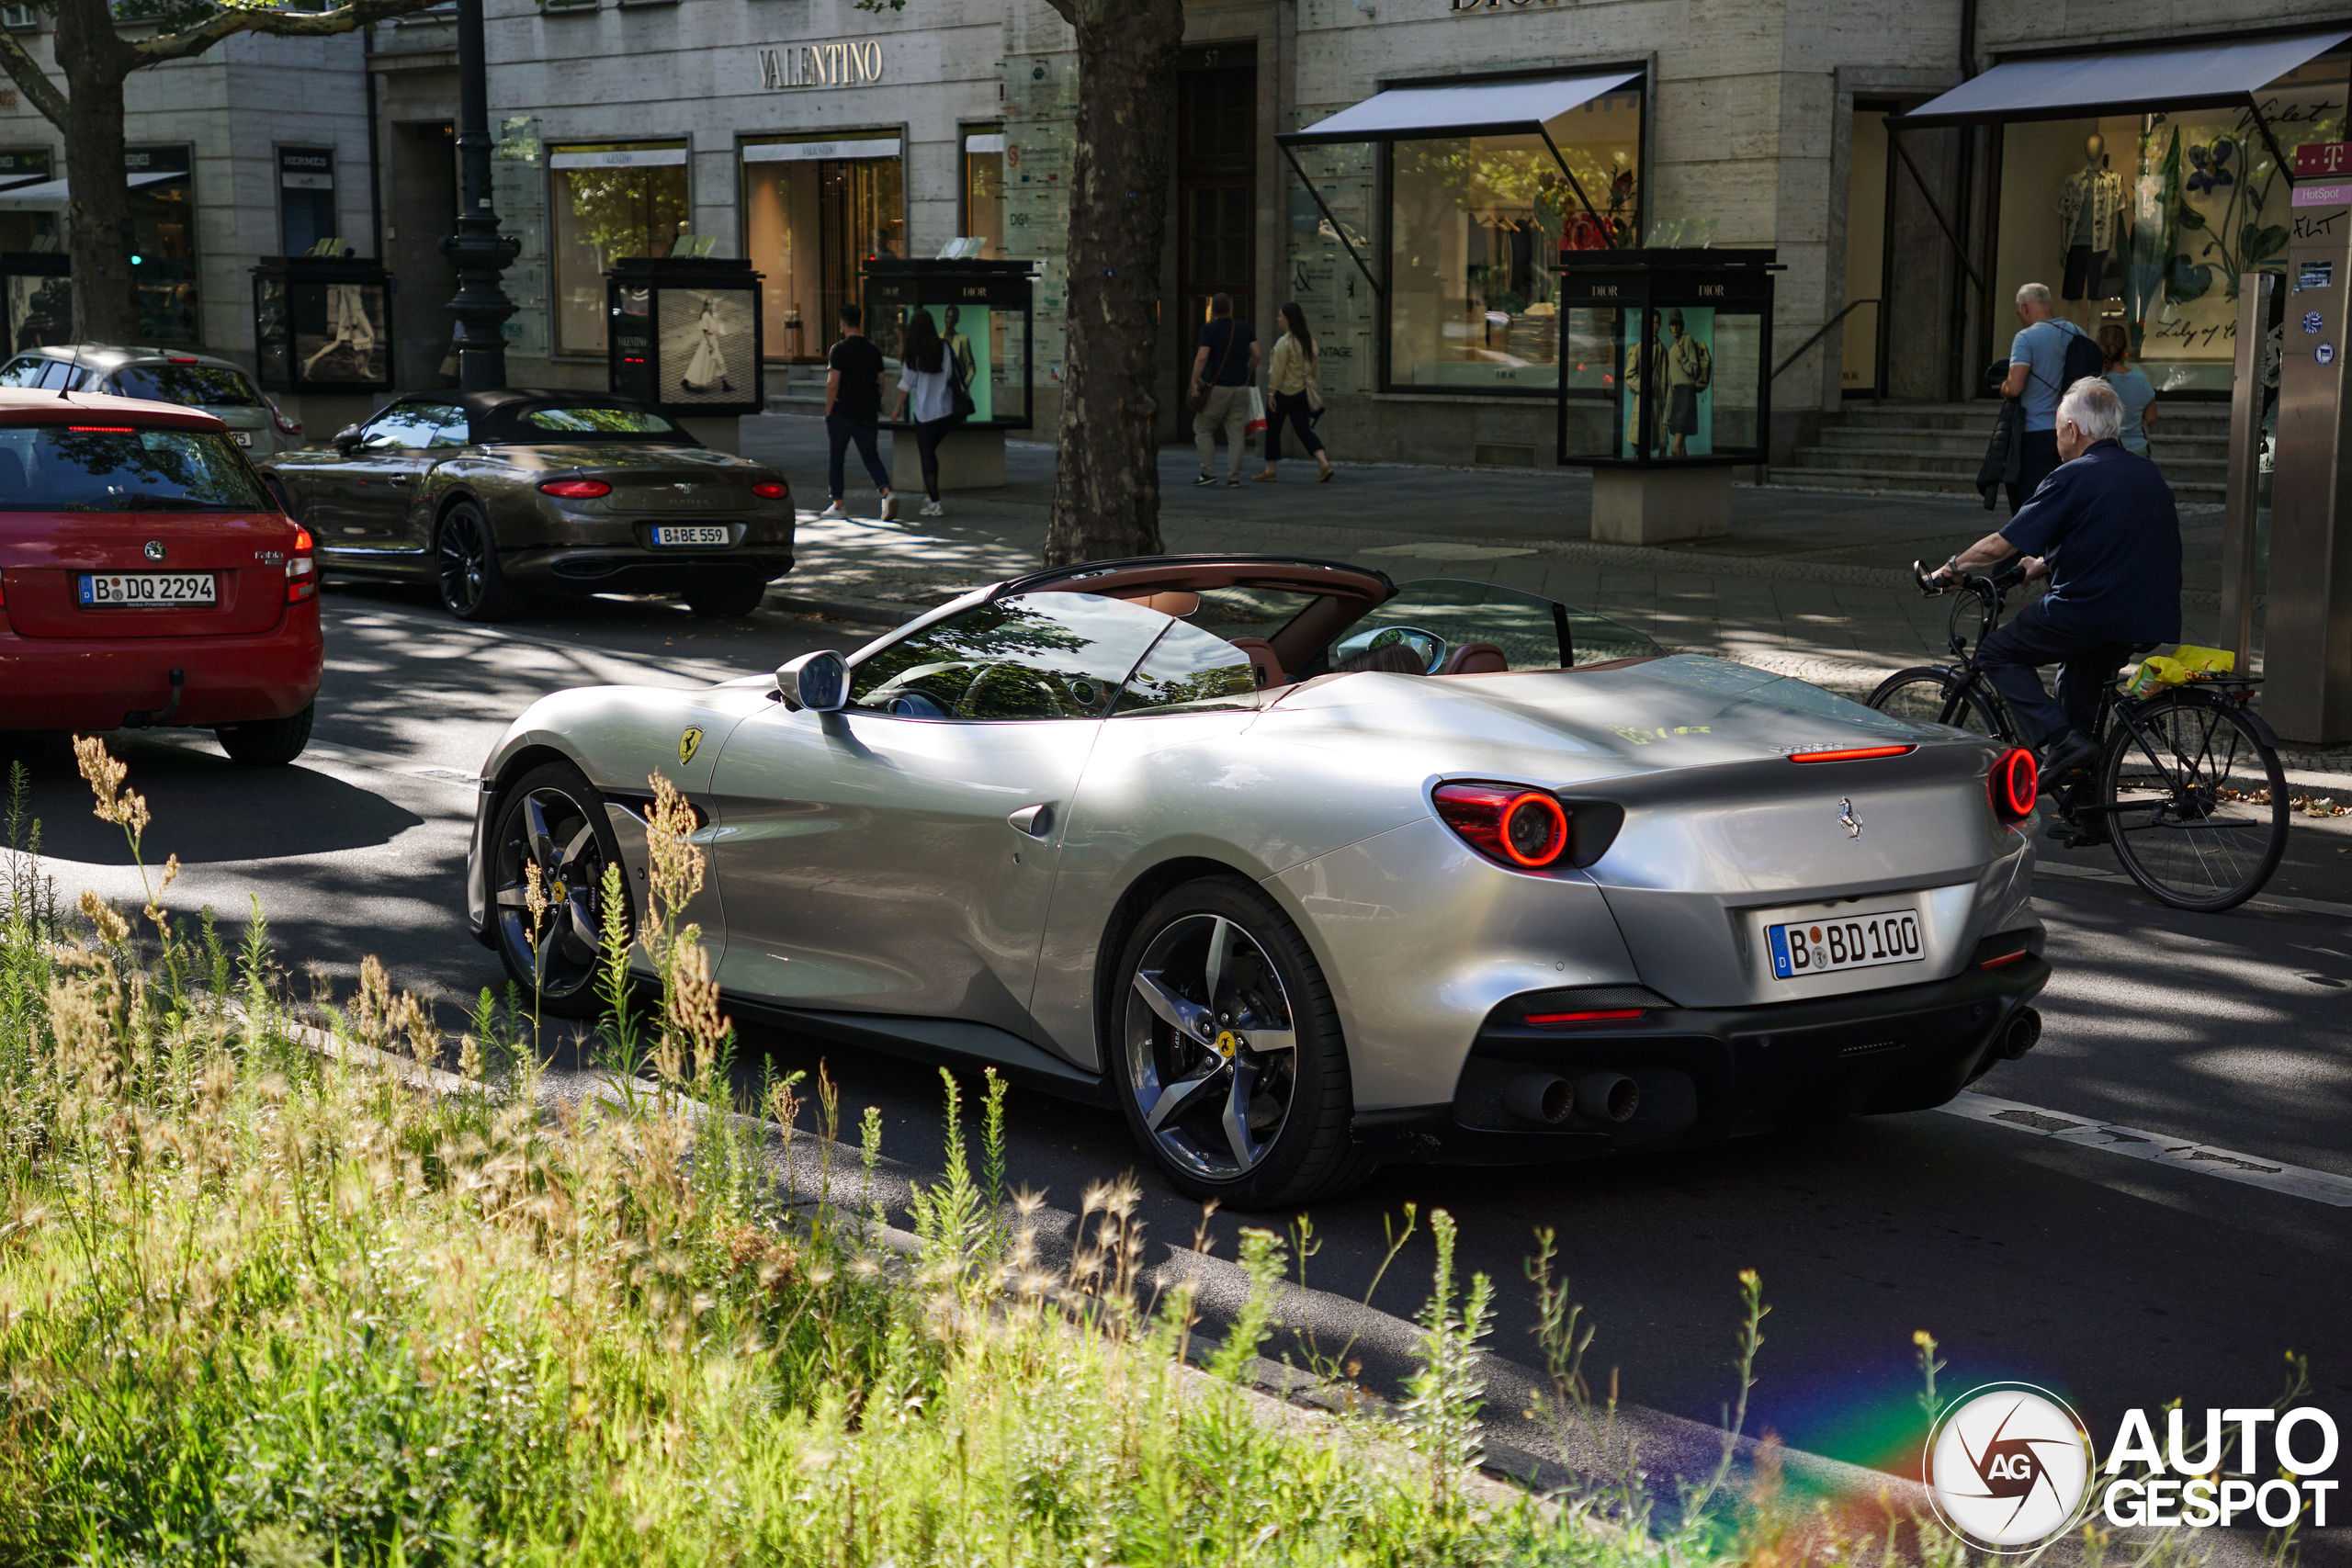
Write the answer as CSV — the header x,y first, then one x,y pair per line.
x,y
1262,659
1474,659
1173,601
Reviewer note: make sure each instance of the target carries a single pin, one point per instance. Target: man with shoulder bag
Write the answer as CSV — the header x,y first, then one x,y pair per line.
x,y
2049,354
1223,367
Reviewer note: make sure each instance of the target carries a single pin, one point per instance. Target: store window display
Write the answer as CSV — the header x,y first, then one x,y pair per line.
x,y
2147,221
1477,226
814,210
610,200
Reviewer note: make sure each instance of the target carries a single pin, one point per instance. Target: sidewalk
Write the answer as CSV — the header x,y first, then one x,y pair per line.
x,y
1814,585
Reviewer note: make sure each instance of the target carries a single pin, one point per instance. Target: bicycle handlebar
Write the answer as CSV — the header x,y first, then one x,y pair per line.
x,y
2002,577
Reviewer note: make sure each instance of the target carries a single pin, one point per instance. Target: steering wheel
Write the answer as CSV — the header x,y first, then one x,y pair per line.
x,y
1012,691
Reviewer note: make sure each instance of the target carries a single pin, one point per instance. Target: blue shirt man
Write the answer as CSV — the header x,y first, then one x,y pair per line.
x,y
2104,528
2037,378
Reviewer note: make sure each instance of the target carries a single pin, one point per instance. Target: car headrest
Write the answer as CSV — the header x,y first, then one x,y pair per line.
x,y
1176,602
1262,659
1474,659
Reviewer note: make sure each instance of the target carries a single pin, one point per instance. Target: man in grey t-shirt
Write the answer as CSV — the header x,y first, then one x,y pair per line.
x,y
2037,378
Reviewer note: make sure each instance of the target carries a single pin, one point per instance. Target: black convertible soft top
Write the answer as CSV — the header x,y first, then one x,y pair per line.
x,y
499,416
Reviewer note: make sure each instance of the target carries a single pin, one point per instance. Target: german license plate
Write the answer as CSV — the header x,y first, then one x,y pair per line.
x,y
691,536
1846,941
101,592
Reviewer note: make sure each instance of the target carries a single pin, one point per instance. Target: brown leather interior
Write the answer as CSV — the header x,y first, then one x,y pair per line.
x,y
1176,602
1341,595
1474,659
1264,659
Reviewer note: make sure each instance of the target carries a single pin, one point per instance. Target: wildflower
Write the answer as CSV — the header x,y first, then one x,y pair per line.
x,y
113,930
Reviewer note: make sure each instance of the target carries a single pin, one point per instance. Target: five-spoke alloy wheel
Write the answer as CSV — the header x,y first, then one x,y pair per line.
x,y
466,569
552,819
1228,1051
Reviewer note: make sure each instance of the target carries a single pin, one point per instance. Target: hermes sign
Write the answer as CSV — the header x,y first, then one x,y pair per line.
x,y
821,65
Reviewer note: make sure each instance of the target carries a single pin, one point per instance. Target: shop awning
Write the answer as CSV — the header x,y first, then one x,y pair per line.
x,y
808,151
50,196
620,158
2124,81
1467,109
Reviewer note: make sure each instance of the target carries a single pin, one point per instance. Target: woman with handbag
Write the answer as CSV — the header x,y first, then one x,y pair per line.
x,y
927,381
1292,376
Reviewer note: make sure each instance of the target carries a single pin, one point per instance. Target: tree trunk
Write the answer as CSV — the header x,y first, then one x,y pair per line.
x,y
94,61
1106,482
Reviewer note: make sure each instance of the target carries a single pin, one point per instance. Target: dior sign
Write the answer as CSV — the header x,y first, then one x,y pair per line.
x,y
821,65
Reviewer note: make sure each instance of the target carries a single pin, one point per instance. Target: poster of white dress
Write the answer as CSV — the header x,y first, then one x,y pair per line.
x,y
707,346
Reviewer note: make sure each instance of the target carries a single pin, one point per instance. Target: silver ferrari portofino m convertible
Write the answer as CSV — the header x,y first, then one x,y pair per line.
x,y
1302,870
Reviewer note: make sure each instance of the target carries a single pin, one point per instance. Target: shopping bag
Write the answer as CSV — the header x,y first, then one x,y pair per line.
x,y
1257,413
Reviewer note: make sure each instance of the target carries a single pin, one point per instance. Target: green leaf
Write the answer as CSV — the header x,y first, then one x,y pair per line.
x,y
2185,280
2268,243
2190,217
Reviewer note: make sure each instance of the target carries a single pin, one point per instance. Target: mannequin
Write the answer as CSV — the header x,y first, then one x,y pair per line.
x,y
2090,220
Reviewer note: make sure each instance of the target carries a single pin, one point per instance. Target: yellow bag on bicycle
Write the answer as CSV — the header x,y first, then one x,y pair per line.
x,y
2154,672
2204,660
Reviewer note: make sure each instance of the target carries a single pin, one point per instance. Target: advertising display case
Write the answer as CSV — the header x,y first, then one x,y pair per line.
x,y
684,334
1666,357
981,309
322,324
37,291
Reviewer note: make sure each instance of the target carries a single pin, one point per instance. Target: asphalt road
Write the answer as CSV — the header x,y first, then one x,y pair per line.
x,y
2118,1282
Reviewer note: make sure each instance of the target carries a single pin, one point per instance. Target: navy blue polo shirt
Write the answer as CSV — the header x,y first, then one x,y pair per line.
x,y
2116,575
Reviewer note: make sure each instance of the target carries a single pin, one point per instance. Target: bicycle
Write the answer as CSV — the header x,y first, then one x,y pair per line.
x,y
2187,785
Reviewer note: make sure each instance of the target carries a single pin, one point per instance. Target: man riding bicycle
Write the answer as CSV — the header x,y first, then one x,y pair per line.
x,y
2103,527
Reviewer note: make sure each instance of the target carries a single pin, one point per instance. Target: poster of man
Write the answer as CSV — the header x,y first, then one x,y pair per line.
x,y
969,356
1675,361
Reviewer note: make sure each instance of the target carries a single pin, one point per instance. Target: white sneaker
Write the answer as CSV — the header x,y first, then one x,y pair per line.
x,y
889,509
933,509
835,510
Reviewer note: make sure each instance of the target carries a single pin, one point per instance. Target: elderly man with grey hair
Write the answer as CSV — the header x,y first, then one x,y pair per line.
x,y
2037,375
2103,527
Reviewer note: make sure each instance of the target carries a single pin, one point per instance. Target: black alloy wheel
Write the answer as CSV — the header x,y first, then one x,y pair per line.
x,y
268,742
1227,1054
473,587
554,819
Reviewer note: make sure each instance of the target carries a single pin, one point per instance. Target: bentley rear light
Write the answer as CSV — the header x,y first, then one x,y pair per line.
x,y
302,571
576,489
772,489
1527,829
2014,784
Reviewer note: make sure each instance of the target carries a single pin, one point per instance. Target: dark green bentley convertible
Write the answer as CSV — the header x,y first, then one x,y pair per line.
x,y
491,495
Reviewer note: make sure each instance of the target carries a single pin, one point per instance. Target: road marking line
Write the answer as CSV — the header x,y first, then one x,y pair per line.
x,y
2295,1180
2259,901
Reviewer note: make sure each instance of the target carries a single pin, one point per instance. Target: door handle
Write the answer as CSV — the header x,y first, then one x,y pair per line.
x,y
396,479
1034,820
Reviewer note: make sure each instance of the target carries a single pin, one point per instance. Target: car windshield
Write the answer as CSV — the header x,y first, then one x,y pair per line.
x,y
1433,619
596,421
206,385
62,467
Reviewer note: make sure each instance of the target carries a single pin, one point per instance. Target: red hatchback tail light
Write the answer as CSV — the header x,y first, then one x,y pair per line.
x,y
1527,829
301,569
576,489
2014,784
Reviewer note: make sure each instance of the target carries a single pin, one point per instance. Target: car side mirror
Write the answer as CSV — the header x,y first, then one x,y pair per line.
x,y
818,681
346,438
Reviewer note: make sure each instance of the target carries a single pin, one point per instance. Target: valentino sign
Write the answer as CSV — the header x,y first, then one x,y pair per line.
x,y
821,65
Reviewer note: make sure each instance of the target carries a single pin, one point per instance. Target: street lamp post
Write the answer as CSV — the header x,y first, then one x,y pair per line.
x,y
478,250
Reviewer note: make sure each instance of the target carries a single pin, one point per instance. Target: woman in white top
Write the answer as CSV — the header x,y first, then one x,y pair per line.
x,y
1298,394
927,380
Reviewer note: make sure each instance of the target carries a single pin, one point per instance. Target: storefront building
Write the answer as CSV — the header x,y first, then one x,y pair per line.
x,y
257,149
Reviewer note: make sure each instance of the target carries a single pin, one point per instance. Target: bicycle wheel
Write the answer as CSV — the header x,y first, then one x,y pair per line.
x,y
2199,803
1936,696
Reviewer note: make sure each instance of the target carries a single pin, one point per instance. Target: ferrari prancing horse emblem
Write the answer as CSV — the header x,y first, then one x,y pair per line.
x,y
689,744
1846,818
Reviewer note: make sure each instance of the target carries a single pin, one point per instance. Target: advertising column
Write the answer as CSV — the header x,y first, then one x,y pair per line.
x,y
2307,646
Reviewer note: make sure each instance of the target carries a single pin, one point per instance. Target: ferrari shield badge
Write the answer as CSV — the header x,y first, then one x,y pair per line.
x,y
689,744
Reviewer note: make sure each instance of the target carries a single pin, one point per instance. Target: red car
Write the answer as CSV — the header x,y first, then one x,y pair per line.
x,y
148,579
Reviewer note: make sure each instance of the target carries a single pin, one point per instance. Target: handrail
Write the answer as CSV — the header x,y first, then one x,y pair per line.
x,y
1824,333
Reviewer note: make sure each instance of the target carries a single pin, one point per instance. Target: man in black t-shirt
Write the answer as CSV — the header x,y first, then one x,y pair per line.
x,y
1223,368
853,412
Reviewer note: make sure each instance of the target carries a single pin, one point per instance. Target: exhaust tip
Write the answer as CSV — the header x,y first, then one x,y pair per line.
x,y
1608,1097
1540,1097
2024,1033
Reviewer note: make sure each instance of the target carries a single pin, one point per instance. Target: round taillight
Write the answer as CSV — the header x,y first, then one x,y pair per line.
x,y
1534,829
576,489
772,489
2015,783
